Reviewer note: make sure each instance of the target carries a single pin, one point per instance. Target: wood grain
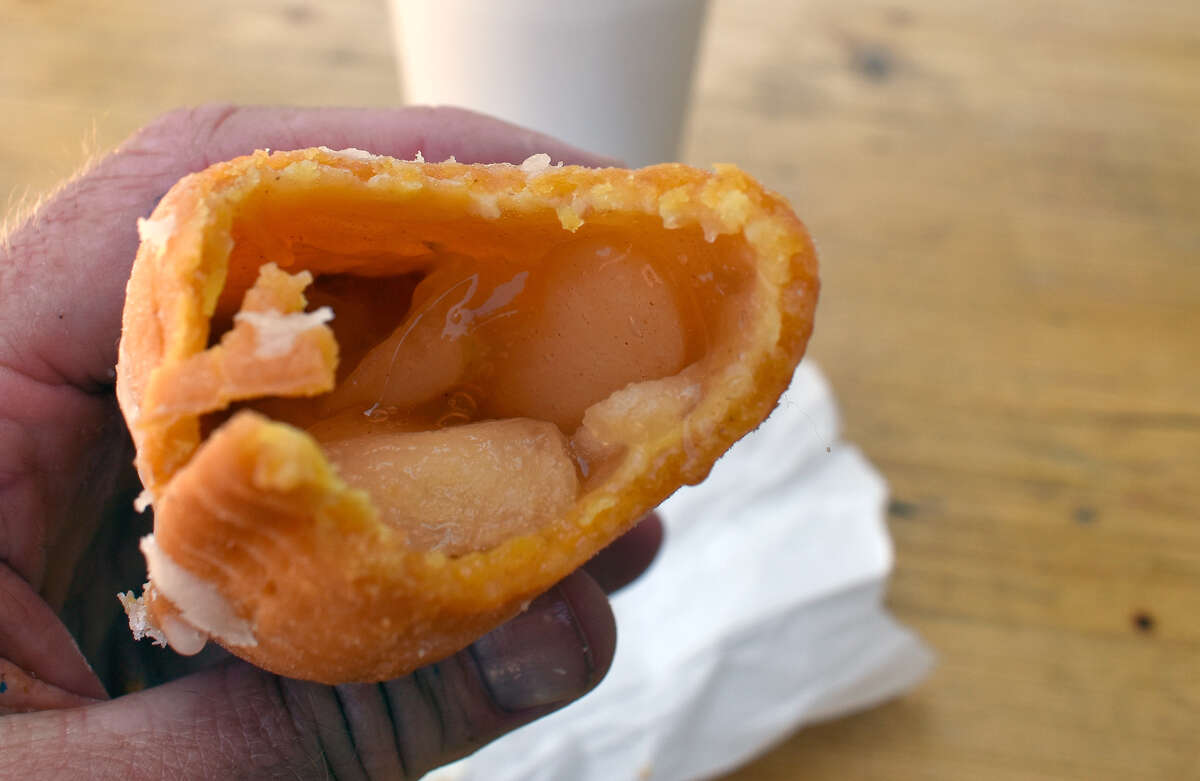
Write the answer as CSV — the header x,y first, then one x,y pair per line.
x,y
1006,199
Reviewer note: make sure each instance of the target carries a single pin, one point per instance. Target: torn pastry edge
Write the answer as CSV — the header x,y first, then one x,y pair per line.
x,y
144,500
202,611
275,332
138,613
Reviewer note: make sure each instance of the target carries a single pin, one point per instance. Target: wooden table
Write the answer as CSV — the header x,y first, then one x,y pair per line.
x,y
1007,201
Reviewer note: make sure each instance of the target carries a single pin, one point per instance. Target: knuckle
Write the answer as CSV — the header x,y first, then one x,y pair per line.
x,y
186,121
444,713
354,729
312,720
182,137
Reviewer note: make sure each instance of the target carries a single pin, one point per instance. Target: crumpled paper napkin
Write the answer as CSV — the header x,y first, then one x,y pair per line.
x,y
762,613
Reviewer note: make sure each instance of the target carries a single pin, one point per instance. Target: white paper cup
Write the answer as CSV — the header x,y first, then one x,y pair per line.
x,y
611,76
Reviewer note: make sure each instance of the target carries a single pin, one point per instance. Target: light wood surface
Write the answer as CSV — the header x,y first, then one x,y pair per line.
x,y
1006,197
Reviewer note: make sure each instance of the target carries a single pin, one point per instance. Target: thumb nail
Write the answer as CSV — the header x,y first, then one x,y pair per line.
x,y
541,657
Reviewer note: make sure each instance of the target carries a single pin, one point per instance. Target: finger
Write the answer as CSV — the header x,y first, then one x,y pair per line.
x,y
218,133
36,647
21,692
237,721
84,237
631,554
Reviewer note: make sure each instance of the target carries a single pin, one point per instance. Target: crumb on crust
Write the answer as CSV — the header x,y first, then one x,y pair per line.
x,y
139,618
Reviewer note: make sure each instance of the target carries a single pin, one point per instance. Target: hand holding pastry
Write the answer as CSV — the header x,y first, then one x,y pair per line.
x,y
68,534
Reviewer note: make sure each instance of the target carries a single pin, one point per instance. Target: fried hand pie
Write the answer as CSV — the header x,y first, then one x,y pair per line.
x,y
380,405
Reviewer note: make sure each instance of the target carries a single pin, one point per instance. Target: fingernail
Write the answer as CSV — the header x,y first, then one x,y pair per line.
x,y
539,658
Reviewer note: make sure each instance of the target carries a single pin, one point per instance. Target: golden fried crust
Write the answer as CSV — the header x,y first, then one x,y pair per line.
x,y
257,512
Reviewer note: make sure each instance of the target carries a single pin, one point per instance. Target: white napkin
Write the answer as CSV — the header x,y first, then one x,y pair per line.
x,y
762,613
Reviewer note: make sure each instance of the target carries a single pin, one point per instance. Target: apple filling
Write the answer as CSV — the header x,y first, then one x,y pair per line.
x,y
485,379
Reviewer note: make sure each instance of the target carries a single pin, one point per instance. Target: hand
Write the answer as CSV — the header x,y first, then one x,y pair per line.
x,y
68,534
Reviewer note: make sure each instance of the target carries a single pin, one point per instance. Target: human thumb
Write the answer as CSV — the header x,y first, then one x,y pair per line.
x,y
236,721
